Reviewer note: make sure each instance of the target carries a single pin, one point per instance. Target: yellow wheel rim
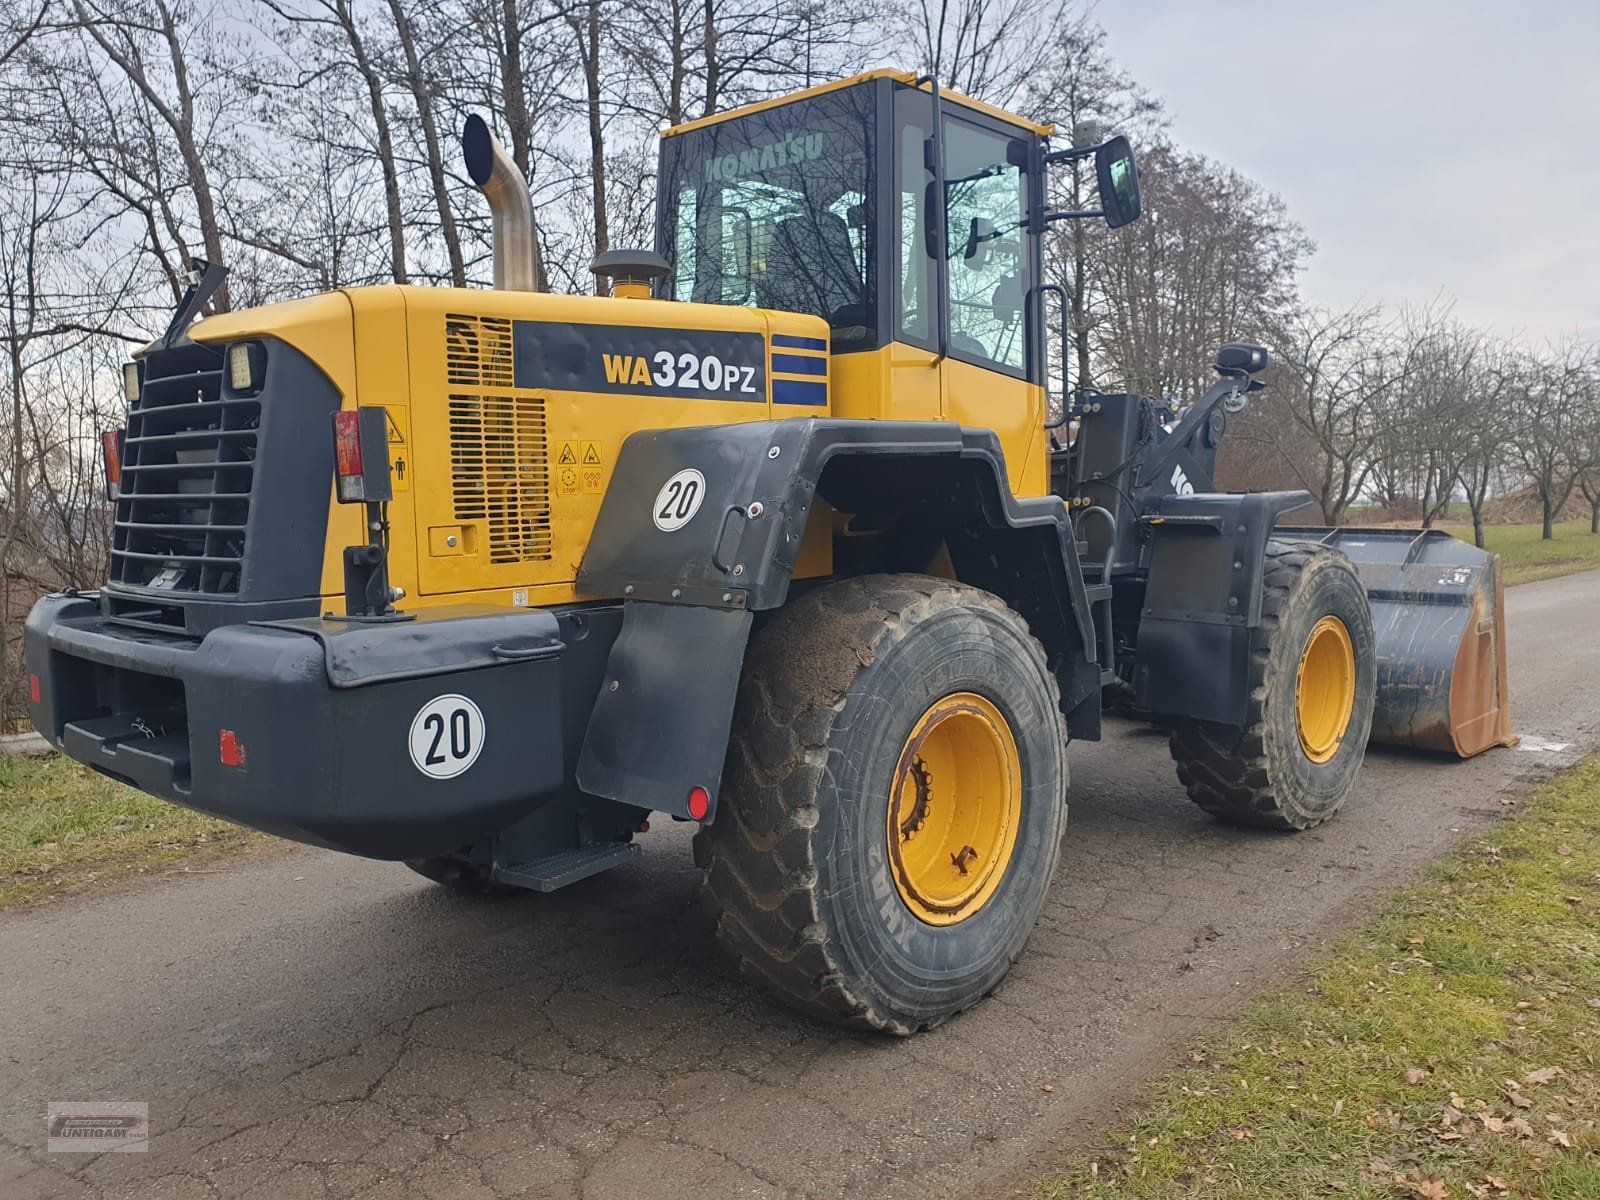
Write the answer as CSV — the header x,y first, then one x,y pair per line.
x,y
1325,694
954,809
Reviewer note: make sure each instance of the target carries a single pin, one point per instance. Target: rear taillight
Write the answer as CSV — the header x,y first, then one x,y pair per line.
x,y
111,460
347,455
361,455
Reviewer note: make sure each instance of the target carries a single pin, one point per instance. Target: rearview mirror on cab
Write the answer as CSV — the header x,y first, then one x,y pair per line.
x,y
1119,182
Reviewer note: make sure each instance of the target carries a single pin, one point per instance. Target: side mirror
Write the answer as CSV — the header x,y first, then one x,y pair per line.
x,y
1119,182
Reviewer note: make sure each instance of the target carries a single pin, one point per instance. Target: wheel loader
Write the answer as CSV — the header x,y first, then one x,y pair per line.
x,y
775,534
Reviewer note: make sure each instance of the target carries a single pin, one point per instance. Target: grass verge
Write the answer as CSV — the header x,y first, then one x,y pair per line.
x,y
1450,1049
62,825
1525,556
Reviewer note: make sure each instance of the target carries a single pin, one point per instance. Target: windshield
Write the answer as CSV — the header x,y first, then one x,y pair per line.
x,y
772,210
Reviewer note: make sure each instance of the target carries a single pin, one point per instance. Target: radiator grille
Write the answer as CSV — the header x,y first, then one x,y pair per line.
x,y
499,464
188,470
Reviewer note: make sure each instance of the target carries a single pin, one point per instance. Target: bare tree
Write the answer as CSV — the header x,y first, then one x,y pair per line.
x,y
984,48
1549,414
349,50
1588,441
585,21
1216,258
1333,373
1485,428
423,88
149,43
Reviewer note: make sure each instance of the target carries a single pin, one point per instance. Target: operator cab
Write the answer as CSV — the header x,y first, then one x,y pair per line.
x,y
918,238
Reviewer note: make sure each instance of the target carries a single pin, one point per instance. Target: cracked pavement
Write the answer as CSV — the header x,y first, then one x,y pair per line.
x,y
308,1025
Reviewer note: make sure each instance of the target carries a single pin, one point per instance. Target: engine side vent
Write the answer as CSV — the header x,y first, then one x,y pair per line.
x,y
478,351
499,464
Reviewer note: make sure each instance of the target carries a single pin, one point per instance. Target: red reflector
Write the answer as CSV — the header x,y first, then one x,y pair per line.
x,y
347,443
33,688
231,750
699,803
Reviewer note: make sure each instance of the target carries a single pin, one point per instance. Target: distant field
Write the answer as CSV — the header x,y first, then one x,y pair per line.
x,y
1524,556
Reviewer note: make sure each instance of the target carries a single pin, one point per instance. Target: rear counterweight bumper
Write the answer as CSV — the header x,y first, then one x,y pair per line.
x,y
309,729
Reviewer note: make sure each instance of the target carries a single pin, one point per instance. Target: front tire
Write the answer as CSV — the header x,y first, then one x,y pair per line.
x,y
881,721
1313,677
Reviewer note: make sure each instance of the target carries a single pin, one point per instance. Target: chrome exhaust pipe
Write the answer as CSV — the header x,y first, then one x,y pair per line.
x,y
510,203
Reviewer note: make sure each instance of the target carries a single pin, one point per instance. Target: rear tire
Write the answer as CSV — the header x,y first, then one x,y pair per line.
x,y
843,692
469,879
1277,771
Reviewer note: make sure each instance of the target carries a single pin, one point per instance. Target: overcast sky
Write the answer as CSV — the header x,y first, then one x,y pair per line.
x,y
1426,145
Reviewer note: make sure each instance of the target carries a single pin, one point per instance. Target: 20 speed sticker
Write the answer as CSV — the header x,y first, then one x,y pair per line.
x,y
678,500
447,735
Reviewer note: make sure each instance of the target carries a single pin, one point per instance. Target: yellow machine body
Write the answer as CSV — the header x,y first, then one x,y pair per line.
x,y
441,362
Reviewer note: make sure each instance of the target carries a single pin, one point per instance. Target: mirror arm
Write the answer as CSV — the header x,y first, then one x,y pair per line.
x,y
1070,154
1051,218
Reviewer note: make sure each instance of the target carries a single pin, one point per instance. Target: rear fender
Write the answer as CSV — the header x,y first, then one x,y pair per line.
x,y
733,551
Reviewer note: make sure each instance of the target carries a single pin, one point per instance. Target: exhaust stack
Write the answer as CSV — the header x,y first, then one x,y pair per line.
x,y
510,203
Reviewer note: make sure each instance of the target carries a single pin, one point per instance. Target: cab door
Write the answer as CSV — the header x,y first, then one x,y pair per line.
x,y
988,273
964,288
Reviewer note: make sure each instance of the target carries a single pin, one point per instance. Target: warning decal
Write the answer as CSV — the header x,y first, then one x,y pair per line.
x,y
591,470
398,422
579,469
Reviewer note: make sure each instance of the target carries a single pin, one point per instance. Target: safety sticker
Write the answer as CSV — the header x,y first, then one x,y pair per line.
x,y
399,423
678,500
591,471
447,735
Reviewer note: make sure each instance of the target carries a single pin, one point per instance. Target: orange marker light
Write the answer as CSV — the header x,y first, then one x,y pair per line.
x,y
111,459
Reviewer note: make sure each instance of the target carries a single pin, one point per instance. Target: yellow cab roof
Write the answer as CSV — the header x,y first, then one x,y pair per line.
x,y
905,77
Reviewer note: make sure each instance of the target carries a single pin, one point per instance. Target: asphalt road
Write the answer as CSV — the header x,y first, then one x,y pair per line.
x,y
311,1025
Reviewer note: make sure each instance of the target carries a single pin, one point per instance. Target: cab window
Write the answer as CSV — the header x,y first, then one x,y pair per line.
x,y
986,225
775,210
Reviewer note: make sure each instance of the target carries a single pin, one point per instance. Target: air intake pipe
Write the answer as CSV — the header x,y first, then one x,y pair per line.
x,y
510,203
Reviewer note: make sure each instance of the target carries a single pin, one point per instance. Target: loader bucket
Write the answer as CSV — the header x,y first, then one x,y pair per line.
x,y
1439,613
